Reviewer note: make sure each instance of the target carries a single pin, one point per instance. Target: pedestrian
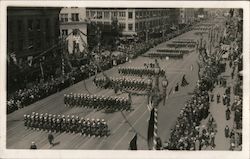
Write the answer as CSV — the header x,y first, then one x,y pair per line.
x,y
33,145
176,87
228,112
226,130
218,98
212,97
184,81
212,143
51,138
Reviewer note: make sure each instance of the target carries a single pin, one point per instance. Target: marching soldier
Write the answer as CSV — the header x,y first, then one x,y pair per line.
x,y
50,139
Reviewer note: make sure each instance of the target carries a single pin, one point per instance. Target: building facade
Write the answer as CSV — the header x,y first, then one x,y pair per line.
x,y
187,16
31,30
134,21
72,18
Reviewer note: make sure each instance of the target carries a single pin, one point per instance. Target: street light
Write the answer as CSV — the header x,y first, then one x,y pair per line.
x,y
157,71
164,85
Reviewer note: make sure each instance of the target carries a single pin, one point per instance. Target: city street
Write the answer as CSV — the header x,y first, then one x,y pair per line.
x,y
18,137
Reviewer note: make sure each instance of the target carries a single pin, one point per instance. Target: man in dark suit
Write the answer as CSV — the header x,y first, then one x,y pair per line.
x,y
50,138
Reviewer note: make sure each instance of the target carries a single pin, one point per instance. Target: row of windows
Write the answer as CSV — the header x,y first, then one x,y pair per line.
x,y
32,44
154,13
64,17
32,24
143,25
107,14
28,34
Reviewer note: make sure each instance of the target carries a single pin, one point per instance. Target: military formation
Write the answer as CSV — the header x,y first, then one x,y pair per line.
x,y
173,50
97,102
69,124
139,71
181,45
123,83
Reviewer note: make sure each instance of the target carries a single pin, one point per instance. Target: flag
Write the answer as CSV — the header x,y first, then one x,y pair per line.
x,y
133,143
151,129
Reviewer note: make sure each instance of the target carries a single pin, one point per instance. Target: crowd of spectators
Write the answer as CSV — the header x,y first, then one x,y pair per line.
x,y
26,96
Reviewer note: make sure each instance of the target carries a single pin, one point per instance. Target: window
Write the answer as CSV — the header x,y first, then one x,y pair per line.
x,y
114,14
30,43
122,14
64,32
99,15
106,15
106,23
130,27
122,26
92,13
20,25
47,24
30,24
64,17
38,24
20,45
136,26
38,44
75,17
130,15
87,14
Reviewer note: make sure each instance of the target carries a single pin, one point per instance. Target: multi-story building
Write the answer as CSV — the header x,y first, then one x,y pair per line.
x,y
187,16
31,30
134,21
72,18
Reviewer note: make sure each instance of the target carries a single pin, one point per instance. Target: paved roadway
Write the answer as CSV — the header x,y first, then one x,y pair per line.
x,y
121,133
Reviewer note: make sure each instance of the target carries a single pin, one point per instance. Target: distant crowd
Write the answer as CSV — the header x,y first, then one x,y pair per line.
x,y
26,96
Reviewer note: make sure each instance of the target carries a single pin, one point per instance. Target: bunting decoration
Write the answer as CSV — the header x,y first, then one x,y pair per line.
x,y
151,129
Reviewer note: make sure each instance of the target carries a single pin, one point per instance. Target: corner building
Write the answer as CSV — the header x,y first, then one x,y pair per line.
x,y
135,21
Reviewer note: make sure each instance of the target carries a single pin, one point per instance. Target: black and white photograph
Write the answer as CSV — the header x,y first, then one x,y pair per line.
x,y
93,77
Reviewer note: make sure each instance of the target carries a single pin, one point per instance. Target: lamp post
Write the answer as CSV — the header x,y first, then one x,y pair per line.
x,y
157,71
164,86
149,88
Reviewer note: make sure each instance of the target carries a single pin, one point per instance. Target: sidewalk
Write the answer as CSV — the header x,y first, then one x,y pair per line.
x,y
218,112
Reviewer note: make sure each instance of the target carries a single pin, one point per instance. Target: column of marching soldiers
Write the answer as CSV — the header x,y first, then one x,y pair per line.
x,y
94,127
